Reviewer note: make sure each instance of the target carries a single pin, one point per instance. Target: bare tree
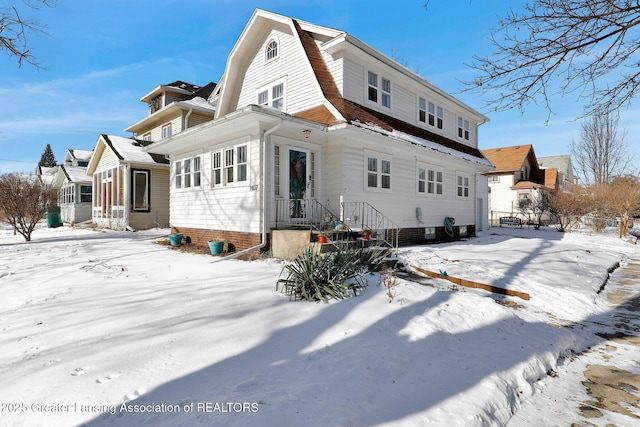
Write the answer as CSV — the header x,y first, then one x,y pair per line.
x,y
558,47
601,152
567,208
597,198
534,207
624,200
14,29
24,200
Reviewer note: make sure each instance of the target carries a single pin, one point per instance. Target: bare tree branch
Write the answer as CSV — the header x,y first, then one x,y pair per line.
x,y
14,30
560,47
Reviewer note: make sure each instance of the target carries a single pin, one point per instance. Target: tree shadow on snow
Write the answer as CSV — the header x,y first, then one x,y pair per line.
x,y
292,377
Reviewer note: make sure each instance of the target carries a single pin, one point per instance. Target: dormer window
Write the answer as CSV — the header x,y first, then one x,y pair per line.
x,y
373,88
463,128
271,51
430,113
155,104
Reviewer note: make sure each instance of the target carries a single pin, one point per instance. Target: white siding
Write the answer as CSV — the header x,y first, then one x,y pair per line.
x,y
502,197
291,66
404,98
354,81
336,68
230,208
401,202
108,160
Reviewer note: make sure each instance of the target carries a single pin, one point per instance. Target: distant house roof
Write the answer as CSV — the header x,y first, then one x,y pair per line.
x,y
354,113
126,150
75,173
188,90
78,154
508,159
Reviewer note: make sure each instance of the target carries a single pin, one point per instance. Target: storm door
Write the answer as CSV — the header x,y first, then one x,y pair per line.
x,y
298,183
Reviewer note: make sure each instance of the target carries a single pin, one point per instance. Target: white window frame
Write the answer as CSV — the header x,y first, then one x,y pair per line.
x,y
188,172
271,50
378,89
230,166
66,195
177,174
166,130
435,115
379,167
463,186
372,87
431,178
422,109
385,98
273,95
463,128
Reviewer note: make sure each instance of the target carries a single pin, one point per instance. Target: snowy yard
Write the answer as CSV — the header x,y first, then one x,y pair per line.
x,y
111,328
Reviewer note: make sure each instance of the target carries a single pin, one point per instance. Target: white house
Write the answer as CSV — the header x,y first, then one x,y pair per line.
x,y
130,186
74,187
312,126
516,180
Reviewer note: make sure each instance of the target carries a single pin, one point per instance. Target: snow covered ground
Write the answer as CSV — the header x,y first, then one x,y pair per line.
x,y
111,328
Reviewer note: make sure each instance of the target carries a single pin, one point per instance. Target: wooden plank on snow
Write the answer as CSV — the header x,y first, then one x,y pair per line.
x,y
474,285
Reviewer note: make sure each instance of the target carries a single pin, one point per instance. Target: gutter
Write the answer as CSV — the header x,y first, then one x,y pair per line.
x,y
263,199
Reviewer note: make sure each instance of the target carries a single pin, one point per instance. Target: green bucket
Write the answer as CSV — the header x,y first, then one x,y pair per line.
x,y
216,247
175,239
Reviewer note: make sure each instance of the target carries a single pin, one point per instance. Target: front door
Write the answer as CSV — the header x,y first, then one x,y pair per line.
x,y
298,183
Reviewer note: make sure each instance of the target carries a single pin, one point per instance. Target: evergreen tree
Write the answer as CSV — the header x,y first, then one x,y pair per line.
x,y
48,159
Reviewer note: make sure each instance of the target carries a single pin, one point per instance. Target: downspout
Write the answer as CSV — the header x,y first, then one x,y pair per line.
x,y
263,197
185,125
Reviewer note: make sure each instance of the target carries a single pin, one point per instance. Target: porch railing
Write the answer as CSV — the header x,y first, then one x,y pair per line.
x,y
363,216
311,214
355,217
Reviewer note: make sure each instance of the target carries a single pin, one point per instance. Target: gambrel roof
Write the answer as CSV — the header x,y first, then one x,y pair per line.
x,y
333,108
353,113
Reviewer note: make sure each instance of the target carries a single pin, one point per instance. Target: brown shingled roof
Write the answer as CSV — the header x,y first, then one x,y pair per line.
x,y
353,112
509,158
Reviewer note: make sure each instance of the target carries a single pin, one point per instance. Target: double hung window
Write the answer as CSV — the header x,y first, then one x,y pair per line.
x,y
230,166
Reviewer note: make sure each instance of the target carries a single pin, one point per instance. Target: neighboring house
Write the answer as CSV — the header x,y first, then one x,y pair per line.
x,y
47,174
130,186
173,108
311,124
567,181
74,187
516,180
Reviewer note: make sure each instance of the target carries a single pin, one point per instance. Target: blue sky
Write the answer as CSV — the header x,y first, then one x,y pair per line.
x,y
100,57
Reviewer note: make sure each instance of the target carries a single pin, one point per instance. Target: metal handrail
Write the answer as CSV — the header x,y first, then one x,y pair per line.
x,y
363,216
311,214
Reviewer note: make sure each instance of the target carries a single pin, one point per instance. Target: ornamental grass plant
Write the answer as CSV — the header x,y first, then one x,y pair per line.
x,y
314,276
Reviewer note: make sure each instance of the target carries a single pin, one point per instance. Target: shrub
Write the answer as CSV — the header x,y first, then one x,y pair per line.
x,y
314,276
